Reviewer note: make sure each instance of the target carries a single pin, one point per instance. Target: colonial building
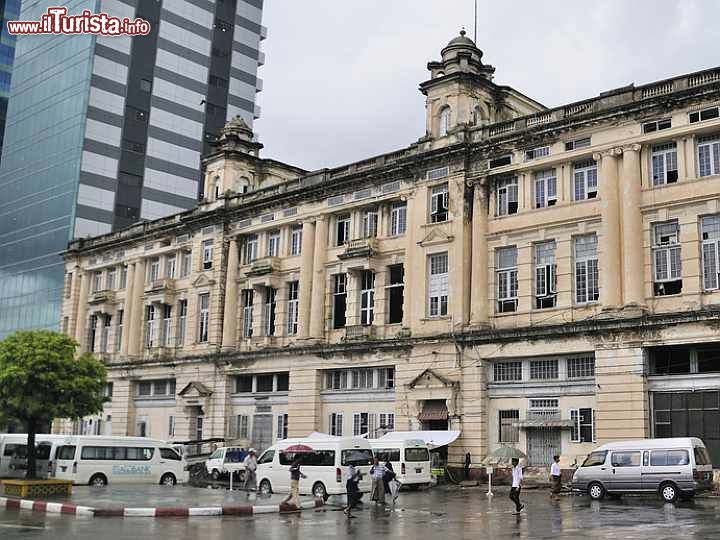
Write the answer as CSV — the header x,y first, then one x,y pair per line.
x,y
545,278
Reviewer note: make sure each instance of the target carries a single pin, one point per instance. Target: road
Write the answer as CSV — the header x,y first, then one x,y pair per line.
x,y
452,514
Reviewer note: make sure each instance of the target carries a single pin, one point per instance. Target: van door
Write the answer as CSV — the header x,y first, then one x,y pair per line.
x,y
673,465
626,473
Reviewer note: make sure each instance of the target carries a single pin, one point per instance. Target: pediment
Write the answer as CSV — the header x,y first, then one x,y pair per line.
x,y
436,235
202,281
431,379
195,390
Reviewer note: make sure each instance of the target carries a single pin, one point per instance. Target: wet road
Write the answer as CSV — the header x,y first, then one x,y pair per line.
x,y
444,514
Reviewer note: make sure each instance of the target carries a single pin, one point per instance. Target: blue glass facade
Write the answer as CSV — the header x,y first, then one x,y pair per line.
x,y
9,11
39,169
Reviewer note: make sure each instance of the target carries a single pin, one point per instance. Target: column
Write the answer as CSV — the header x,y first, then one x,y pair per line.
x,y
609,243
690,157
632,242
306,279
129,303
81,320
73,302
136,317
229,337
479,250
317,305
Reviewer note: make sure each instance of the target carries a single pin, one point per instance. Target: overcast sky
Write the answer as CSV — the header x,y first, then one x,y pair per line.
x,y
341,76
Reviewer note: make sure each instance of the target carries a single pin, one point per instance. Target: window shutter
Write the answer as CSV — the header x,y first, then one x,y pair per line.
x,y
552,279
710,266
704,160
540,281
339,425
575,431
513,193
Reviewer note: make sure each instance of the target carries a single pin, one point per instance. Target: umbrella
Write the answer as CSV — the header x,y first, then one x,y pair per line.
x,y
298,449
503,455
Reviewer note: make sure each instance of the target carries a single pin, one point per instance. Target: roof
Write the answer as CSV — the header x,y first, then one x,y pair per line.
x,y
544,423
433,439
434,410
461,40
640,444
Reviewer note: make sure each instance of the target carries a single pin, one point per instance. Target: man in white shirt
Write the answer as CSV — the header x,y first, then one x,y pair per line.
x,y
517,476
250,468
556,478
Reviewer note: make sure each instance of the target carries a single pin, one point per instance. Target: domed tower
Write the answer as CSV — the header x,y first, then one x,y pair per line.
x,y
461,91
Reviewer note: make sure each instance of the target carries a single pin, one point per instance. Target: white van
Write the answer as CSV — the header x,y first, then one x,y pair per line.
x,y
225,460
98,461
13,454
325,467
410,459
672,468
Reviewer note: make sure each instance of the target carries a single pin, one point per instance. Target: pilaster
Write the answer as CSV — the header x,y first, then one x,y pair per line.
x,y
479,268
317,316
306,278
633,264
229,324
609,242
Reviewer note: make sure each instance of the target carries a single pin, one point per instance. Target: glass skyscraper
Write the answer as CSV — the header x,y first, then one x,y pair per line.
x,y
103,132
9,11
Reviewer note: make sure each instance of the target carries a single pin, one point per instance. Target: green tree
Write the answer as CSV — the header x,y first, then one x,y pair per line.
x,y
41,379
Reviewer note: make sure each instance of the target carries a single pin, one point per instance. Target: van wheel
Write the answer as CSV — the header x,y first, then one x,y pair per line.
x,y
168,479
596,491
669,492
319,490
265,487
98,480
215,475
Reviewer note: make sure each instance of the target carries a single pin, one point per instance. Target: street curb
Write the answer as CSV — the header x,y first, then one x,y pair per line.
x,y
158,512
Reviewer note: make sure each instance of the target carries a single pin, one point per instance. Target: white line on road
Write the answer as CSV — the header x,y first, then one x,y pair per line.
x,y
14,526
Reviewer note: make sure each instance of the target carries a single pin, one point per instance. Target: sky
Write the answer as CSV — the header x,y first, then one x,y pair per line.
x,y
341,76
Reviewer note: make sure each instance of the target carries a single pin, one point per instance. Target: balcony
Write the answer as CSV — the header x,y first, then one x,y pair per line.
x,y
362,248
264,266
160,285
543,418
102,297
359,332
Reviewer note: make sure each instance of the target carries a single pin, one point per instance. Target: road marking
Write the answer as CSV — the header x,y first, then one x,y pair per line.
x,y
13,526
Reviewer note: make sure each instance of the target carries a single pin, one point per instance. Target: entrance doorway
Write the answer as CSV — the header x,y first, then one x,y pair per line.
x,y
543,444
262,432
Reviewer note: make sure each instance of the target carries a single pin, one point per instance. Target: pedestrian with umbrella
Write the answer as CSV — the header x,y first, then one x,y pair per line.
x,y
503,455
298,451
377,473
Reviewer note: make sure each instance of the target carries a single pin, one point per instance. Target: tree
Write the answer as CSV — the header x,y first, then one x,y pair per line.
x,y
41,379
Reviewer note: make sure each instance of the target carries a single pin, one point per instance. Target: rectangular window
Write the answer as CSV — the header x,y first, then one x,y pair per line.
x,y
170,266
506,193
506,277
362,424
151,338
438,285
182,322
154,270
536,153
296,240
293,307
398,219
708,149
119,329
664,164
97,282
247,312
336,424
269,311
273,243
204,327
545,275
541,370
395,293
207,247
585,180
577,144
339,300
385,379
581,367
282,427
251,248
167,334
587,288
545,188
667,265
656,125
507,371
123,278
367,297
110,279
705,114
369,223
509,432
583,428
282,382
336,380
439,203
243,425
244,384
105,337
387,422
710,231
342,229
500,162
264,383
186,263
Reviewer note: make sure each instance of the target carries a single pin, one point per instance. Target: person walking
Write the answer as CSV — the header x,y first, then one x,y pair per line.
x,y
392,484
353,491
295,475
377,473
556,478
466,469
250,464
517,477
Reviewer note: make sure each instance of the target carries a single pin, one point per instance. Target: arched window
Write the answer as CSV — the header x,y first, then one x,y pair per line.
x,y
217,188
243,185
444,121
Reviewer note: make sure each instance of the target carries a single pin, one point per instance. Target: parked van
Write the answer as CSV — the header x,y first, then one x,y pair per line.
x,y
98,461
672,468
13,454
325,467
410,459
226,460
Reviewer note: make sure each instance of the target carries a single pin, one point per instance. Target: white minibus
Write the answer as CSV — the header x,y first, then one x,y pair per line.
x,y
98,461
225,460
325,467
13,454
410,459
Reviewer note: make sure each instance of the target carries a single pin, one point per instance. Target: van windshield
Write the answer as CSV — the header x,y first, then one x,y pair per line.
x,y
702,457
387,454
358,456
417,454
595,459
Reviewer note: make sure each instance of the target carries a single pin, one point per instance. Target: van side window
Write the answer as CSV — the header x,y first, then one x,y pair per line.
x,y
267,457
233,456
646,458
595,459
664,458
169,453
626,459
318,458
702,457
387,454
217,454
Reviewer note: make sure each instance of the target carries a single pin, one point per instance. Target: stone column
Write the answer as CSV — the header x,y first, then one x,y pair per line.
x,y
690,157
129,303
82,302
479,251
609,244
136,317
306,279
632,237
410,246
317,314
229,337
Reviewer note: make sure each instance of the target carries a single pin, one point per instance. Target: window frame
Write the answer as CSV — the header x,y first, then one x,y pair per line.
x,y
398,219
203,318
710,245
663,161
591,268
587,172
293,307
438,293
506,189
711,143
207,251
439,203
542,181
506,282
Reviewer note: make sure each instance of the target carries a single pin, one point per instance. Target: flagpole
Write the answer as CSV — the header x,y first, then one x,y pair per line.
x,y
475,21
